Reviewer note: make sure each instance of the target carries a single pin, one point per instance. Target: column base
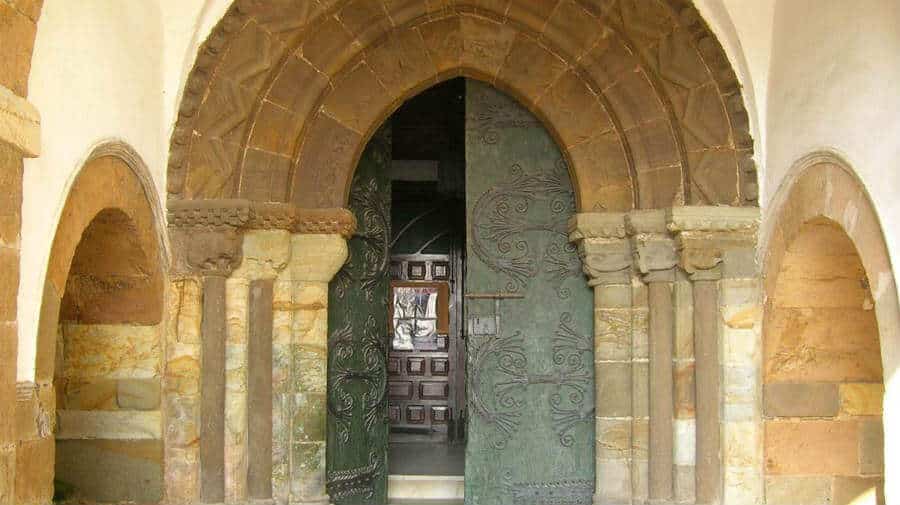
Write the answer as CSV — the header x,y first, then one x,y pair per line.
x,y
316,500
600,500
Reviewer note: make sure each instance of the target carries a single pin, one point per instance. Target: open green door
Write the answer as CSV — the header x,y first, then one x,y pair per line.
x,y
529,313
357,343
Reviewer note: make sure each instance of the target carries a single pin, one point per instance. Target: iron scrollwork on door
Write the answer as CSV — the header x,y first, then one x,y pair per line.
x,y
357,348
501,221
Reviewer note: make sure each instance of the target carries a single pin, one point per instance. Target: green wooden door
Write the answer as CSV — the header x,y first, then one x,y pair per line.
x,y
530,362
357,344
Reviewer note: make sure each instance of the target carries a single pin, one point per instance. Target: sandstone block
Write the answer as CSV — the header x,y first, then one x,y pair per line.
x,y
34,471
613,438
798,490
685,433
613,383
812,447
613,480
801,400
612,328
685,483
137,394
94,395
109,425
871,447
858,491
862,399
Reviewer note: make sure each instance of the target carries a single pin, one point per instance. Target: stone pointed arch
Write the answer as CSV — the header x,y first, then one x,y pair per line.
x,y
638,94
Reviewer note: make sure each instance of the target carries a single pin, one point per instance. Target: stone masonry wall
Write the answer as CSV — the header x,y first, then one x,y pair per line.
x,y
823,377
19,137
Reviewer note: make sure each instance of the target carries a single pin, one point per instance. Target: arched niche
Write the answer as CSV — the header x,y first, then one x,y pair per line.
x,y
829,340
97,402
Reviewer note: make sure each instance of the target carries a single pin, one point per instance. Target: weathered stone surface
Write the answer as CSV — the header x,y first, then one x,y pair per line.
x,y
111,471
94,395
612,334
858,490
861,399
812,447
138,394
871,447
613,397
613,480
20,124
798,490
613,438
109,425
111,351
801,400
34,471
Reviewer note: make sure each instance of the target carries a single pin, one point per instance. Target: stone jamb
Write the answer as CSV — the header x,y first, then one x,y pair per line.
x,y
299,251
607,261
703,253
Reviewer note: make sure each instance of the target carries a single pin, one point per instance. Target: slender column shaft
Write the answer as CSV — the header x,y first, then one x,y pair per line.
x,y
661,391
706,373
259,383
212,388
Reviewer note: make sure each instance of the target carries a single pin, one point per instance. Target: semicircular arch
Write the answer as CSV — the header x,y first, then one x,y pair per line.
x,y
639,96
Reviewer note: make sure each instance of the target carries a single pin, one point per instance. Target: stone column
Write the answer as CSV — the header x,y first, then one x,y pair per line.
x,y
206,257
301,363
20,136
655,258
195,362
606,256
716,246
248,410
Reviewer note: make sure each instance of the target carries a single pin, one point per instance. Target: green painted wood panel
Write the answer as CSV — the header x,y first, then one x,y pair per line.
x,y
357,343
530,381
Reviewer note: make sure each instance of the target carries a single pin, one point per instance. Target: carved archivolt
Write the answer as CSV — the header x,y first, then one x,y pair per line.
x,y
638,94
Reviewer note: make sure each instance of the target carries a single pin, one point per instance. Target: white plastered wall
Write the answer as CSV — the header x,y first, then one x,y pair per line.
x,y
817,74
833,85
102,70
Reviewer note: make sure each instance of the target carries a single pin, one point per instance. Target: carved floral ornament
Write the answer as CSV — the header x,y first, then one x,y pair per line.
x,y
206,235
613,246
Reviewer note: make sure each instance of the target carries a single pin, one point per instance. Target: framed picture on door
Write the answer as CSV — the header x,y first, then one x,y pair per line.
x,y
419,316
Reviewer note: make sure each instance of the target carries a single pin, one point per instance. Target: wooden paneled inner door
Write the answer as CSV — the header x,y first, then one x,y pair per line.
x,y
425,375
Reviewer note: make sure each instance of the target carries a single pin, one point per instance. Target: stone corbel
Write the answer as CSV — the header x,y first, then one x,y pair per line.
x,y
604,249
654,250
20,123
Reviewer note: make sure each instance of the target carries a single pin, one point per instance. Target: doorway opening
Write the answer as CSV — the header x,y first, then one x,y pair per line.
x,y
426,356
461,196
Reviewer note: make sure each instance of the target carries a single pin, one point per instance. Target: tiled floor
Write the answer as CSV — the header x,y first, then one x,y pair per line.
x,y
427,459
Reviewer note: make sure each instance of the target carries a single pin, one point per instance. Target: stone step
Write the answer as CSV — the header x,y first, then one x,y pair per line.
x,y
426,489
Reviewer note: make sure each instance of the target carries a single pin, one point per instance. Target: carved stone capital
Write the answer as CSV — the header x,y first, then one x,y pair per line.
x,y
711,240
603,247
205,251
589,225
654,250
606,261
316,257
